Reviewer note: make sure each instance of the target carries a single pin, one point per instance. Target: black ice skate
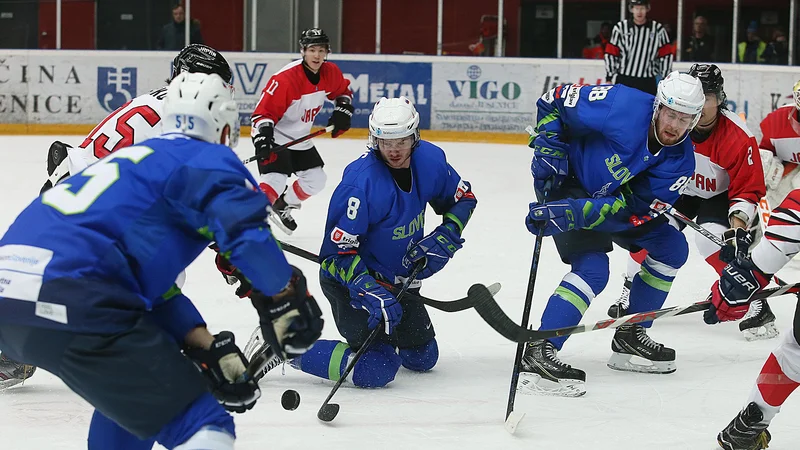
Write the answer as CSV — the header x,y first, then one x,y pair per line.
x,y
759,322
13,373
631,343
745,432
282,215
542,373
260,353
620,307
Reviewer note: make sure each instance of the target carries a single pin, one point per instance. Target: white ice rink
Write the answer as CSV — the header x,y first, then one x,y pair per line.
x,y
461,403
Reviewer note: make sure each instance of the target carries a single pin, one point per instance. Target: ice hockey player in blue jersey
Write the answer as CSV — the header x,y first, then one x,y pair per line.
x,y
374,234
87,274
612,158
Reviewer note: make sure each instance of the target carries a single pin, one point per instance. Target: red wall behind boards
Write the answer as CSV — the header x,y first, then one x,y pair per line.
x,y
77,24
220,25
411,25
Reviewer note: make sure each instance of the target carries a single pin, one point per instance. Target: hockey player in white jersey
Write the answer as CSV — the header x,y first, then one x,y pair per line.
x,y
133,122
730,297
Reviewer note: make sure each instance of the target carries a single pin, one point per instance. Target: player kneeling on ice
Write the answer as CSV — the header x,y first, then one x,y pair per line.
x,y
613,155
730,297
89,269
373,236
723,195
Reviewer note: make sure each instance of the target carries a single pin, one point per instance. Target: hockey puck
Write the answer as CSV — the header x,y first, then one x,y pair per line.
x,y
290,400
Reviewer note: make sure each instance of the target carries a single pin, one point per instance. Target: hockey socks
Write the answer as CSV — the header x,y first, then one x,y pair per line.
x,y
328,359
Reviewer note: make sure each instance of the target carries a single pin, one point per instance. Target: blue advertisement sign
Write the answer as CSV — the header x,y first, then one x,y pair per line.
x,y
371,80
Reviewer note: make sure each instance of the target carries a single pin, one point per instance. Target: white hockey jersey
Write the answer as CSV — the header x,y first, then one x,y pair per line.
x,y
133,122
782,236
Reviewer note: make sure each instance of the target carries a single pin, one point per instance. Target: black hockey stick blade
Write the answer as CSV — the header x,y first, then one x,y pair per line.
x,y
495,317
328,412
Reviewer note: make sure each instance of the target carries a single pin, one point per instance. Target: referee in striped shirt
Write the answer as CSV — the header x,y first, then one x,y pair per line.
x,y
638,51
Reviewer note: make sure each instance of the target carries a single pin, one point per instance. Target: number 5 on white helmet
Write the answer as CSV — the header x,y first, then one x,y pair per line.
x,y
201,106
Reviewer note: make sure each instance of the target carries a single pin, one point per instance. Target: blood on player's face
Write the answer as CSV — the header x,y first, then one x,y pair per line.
x,y
314,56
672,125
396,152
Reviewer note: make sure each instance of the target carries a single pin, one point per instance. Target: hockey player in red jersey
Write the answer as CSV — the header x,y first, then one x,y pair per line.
x,y
137,120
780,375
286,111
724,191
780,149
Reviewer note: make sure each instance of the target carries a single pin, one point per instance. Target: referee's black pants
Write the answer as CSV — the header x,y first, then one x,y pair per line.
x,y
648,85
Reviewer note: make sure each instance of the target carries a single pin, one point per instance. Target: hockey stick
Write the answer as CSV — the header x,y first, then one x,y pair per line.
x,y
328,411
708,235
494,316
512,419
319,132
442,305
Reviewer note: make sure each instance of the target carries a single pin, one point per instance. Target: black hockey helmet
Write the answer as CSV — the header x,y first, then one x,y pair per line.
x,y
711,78
314,36
633,3
199,58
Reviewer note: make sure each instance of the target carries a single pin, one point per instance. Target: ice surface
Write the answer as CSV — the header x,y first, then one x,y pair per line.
x,y
461,403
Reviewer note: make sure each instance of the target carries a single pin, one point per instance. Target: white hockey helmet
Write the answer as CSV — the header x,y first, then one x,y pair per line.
x,y
683,93
796,94
201,105
393,118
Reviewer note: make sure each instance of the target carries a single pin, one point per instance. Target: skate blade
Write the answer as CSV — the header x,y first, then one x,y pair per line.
x,y
278,223
5,384
627,363
762,333
534,384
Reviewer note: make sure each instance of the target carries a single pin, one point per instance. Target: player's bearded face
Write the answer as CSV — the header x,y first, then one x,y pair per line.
x,y
314,56
396,152
672,125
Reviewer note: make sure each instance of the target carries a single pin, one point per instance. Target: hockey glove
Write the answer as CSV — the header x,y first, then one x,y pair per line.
x,y
737,244
549,160
341,117
290,320
225,369
232,274
436,249
382,306
730,296
556,217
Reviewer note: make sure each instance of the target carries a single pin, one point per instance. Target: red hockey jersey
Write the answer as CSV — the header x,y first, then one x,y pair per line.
x,y
729,161
291,102
781,134
782,236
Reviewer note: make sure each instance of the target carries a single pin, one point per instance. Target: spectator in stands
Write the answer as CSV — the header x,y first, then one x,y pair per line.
x,y
752,50
700,47
597,46
173,35
777,51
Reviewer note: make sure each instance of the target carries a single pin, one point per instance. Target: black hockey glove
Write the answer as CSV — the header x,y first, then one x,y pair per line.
x,y
737,244
291,320
341,117
264,142
225,368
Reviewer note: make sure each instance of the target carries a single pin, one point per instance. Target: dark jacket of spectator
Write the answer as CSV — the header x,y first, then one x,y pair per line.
x,y
173,35
700,45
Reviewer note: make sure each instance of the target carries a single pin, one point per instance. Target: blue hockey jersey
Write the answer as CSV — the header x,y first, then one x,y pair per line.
x,y
605,128
372,222
95,252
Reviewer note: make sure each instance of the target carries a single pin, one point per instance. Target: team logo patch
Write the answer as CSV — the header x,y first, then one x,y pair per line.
x,y
343,239
115,86
573,95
